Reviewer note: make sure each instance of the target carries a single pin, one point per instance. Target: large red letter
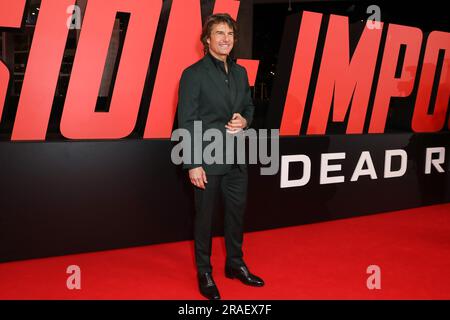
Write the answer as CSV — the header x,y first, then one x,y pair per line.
x,y
388,85
41,75
345,78
181,48
79,119
422,121
301,73
11,13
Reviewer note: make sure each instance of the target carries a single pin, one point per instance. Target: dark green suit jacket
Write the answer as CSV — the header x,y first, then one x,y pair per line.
x,y
204,96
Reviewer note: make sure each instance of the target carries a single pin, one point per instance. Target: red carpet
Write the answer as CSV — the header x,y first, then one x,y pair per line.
x,y
319,261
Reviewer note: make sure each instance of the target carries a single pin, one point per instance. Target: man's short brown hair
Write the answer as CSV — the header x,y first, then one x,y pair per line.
x,y
211,21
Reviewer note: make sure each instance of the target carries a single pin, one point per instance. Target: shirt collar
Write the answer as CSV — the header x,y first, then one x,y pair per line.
x,y
218,62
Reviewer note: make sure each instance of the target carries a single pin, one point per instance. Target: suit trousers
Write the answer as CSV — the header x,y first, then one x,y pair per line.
x,y
233,188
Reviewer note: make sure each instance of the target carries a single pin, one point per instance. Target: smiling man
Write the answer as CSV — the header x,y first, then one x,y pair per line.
x,y
215,91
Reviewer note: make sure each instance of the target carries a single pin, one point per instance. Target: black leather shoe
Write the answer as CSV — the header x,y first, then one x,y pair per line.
x,y
207,286
244,275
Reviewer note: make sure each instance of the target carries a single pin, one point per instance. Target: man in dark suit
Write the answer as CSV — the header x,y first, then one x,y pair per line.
x,y
215,91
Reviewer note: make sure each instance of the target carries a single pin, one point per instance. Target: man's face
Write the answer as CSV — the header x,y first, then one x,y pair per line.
x,y
221,40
